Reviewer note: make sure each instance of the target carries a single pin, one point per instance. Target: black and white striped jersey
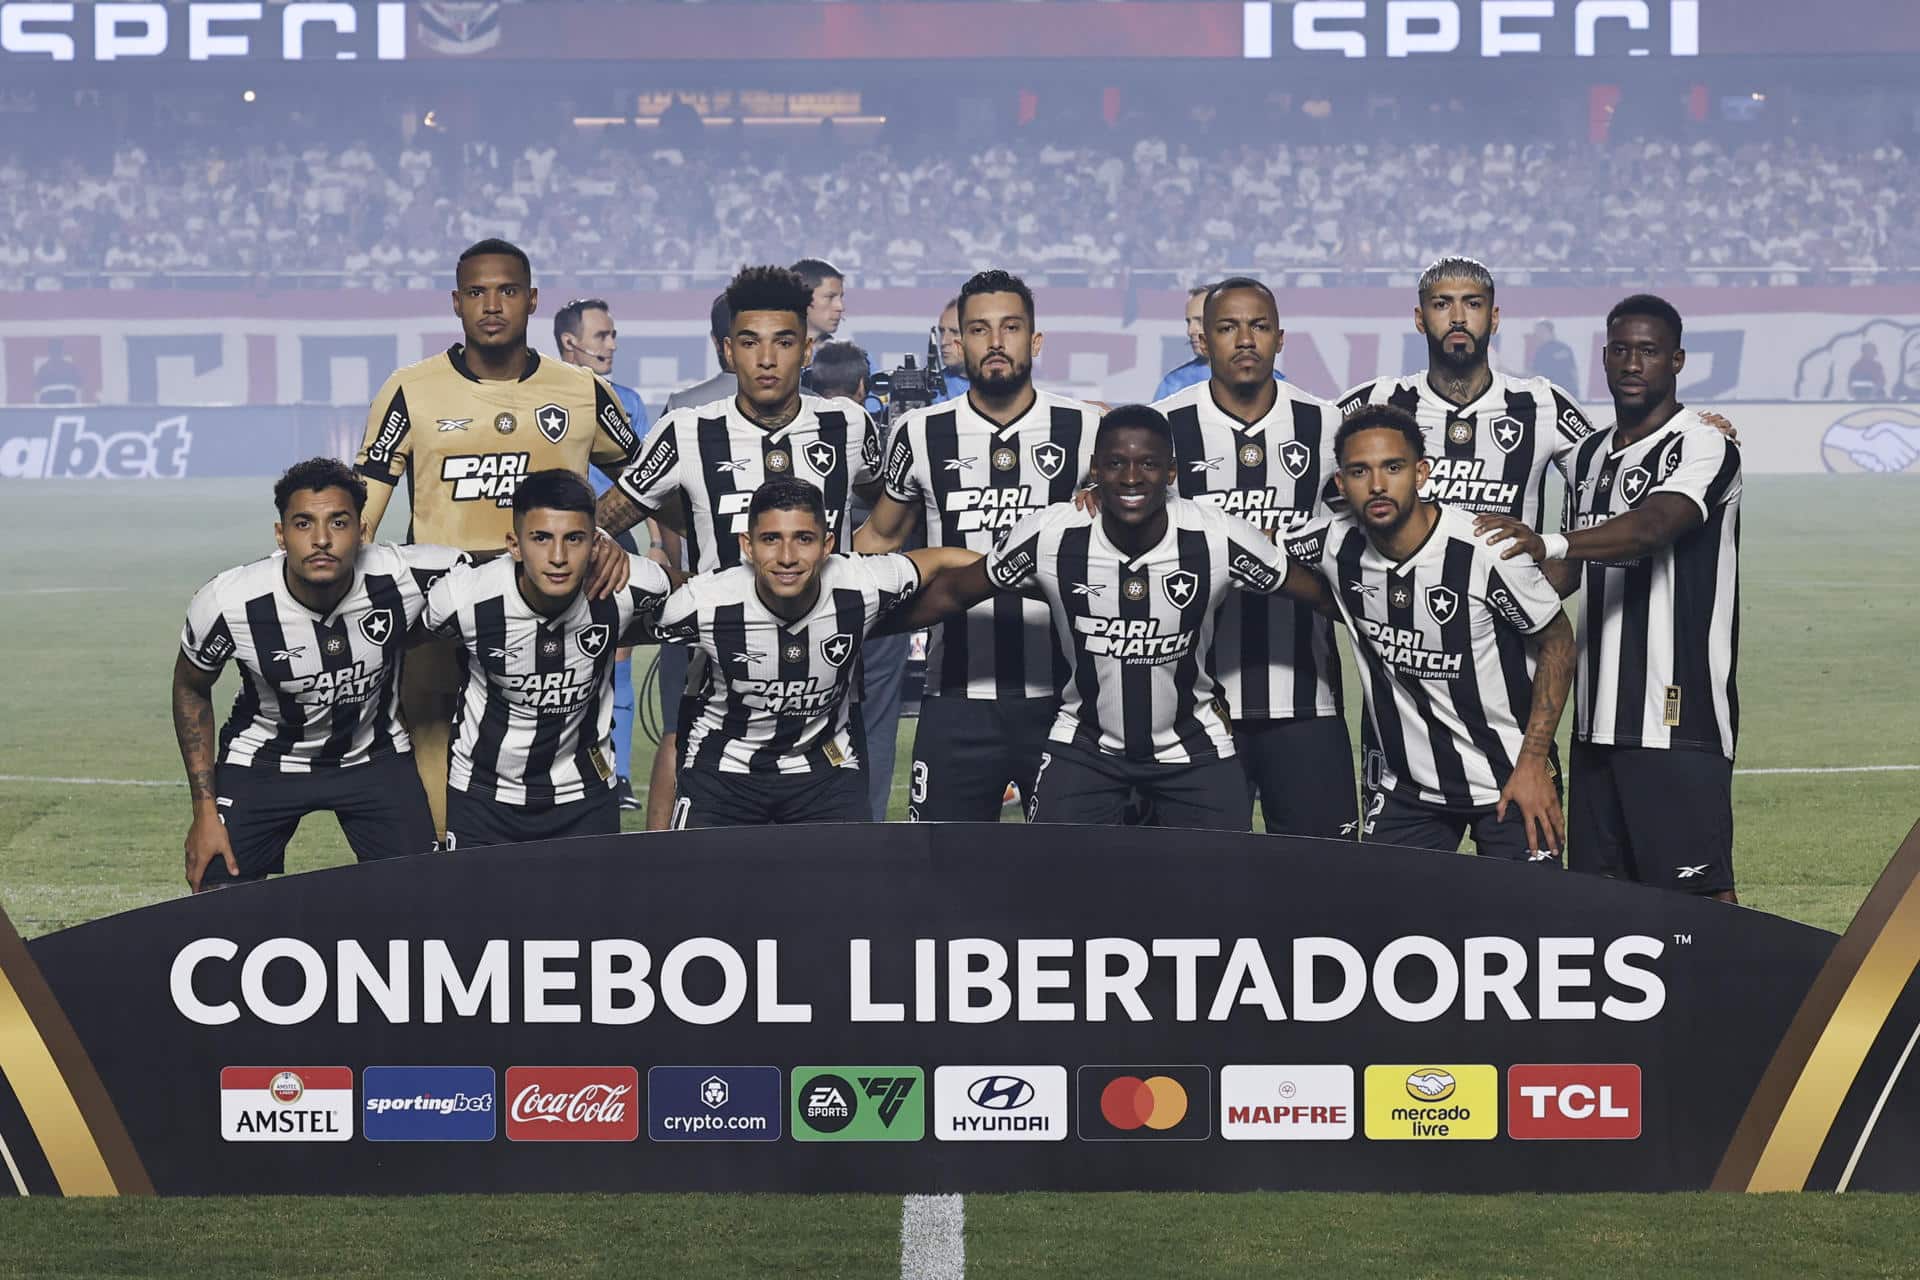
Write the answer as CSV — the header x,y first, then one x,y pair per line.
x,y
536,698
317,692
1138,633
975,479
1442,637
716,457
776,696
1491,455
1277,658
1660,637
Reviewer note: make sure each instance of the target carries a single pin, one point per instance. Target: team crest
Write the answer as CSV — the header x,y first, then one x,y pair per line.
x,y
1295,458
335,645
1634,482
792,653
552,421
1182,587
1507,432
837,648
1252,455
822,457
1134,588
1460,431
1442,603
594,639
1049,459
777,460
1005,459
505,423
377,625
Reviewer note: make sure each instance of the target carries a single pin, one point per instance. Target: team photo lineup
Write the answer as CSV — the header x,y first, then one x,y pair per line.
x,y
1131,611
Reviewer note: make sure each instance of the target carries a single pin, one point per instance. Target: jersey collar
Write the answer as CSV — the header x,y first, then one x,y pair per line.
x,y
1493,398
457,357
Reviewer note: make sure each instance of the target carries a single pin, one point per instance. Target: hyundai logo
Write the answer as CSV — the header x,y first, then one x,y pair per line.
x,y
1000,1093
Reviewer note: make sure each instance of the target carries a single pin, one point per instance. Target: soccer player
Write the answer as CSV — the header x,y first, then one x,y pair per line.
x,y
584,334
531,761
465,427
1134,589
1263,450
774,737
972,468
1654,529
1467,658
317,631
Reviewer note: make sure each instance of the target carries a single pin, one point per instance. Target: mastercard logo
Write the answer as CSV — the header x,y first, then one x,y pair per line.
x,y
1157,1102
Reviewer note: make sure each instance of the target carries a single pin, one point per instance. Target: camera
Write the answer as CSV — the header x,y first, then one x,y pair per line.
x,y
911,386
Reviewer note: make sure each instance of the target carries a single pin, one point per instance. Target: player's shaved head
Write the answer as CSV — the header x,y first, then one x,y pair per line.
x,y
494,247
1237,284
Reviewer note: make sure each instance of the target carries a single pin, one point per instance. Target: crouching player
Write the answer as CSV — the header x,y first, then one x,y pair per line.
x,y
532,752
318,630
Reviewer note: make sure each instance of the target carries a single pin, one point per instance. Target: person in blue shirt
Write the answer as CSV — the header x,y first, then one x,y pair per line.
x,y
952,359
584,334
824,316
1198,369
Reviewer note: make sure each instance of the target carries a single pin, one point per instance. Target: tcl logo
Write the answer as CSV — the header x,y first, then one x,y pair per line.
x,y
573,1104
1594,1100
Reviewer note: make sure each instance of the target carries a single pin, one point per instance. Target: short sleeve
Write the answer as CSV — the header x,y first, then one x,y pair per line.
x,y
388,443
1571,427
901,479
1017,559
1308,544
1254,563
615,441
1700,464
442,615
205,638
873,442
1519,594
429,562
679,618
655,478
647,590
896,579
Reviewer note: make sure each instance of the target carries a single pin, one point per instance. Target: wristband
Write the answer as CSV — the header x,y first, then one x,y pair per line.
x,y
1555,546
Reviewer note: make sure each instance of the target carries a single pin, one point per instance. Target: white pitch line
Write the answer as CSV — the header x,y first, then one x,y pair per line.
x,y
19,1183
61,591
91,782
933,1238
1845,768
1846,1176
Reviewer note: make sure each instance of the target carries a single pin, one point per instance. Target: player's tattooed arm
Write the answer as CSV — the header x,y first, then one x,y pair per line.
x,y
616,512
1531,784
193,729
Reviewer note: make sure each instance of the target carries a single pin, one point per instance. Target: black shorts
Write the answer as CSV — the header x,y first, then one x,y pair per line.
x,y
1412,825
1093,789
1653,816
1302,773
381,806
967,750
709,798
473,821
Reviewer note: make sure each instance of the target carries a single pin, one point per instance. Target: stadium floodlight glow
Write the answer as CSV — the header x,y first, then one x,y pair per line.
x,y
1493,28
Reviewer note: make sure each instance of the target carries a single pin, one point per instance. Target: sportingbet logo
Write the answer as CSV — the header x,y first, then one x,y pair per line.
x,y
1432,1101
1594,1100
484,477
1000,1104
859,1104
71,452
1286,1104
573,1104
427,1104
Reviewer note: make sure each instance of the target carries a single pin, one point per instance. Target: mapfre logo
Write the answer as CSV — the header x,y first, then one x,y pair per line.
x,y
1260,1103
573,1104
1574,1100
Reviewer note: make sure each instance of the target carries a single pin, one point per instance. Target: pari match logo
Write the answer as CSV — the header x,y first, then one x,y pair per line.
x,y
1000,1104
859,1104
427,1104
1428,1102
713,1104
1145,1103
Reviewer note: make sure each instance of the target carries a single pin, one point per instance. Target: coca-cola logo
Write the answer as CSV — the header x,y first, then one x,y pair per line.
x,y
572,1104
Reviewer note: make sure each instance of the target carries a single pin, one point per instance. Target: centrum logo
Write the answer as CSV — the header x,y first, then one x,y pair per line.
x,y
1428,1101
859,1104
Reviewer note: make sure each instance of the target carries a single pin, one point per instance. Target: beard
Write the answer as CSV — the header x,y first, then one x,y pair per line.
x,y
1001,385
1440,357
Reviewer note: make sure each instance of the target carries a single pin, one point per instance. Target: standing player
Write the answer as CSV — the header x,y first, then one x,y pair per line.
x,y
1655,517
1468,659
318,632
464,428
973,468
536,656
1134,590
1263,450
584,334
775,737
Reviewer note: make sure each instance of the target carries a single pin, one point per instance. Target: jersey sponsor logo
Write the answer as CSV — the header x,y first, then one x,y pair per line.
x,y
804,698
1135,641
1574,423
1507,432
997,507
1406,650
955,464
656,462
1692,872
1462,482
1011,570
900,463
1091,590
485,477
1181,586
1573,1101
837,648
1254,573
1049,459
1201,465
1366,590
733,466
1308,548
452,424
1442,603
1264,509
617,425
1296,458
822,457
1429,1103
392,428
289,654
377,625
556,692
552,421
1509,609
339,688
593,640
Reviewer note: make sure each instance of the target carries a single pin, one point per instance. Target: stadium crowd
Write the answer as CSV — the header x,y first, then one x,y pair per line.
x,y
389,215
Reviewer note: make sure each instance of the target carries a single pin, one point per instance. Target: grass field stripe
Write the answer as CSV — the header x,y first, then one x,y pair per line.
x,y
1873,1118
92,782
933,1238
20,1183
